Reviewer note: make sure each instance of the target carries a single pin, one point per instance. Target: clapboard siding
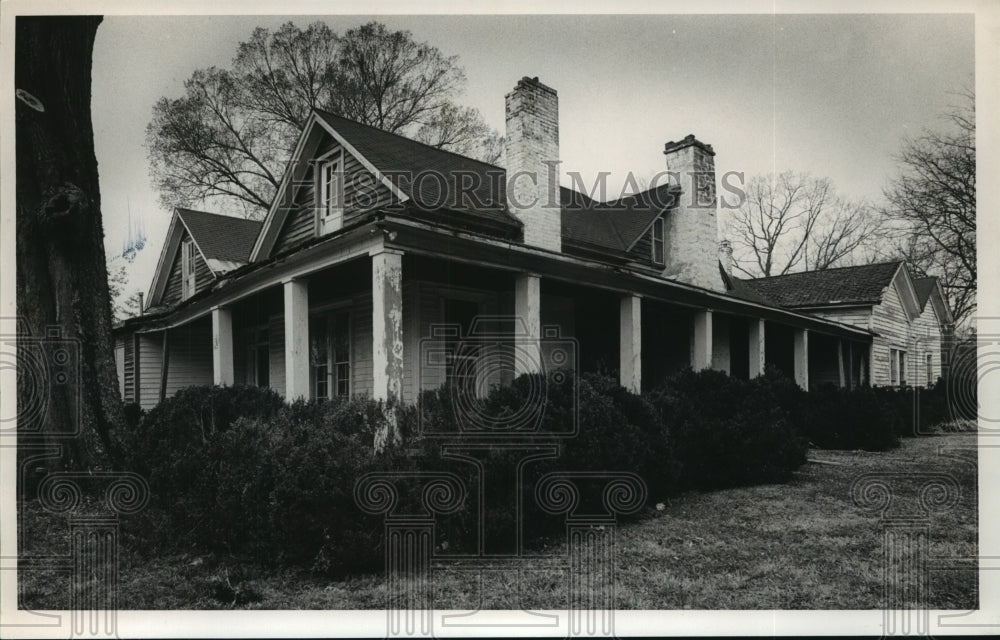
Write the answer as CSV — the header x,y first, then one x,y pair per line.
x,y
890,323
203,278
120,365
643,249
150,352
128,367
361,193
190,356
927,342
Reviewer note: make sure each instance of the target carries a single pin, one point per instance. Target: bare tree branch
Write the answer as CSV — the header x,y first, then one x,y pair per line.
x,y
795,222
227,139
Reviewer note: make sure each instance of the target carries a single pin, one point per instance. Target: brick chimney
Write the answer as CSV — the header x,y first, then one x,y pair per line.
x,y
532,149
692,244
726,256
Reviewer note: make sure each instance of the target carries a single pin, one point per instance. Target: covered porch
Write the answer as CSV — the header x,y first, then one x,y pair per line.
x,y
358,320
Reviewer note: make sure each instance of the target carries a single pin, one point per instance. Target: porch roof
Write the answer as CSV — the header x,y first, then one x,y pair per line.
x,y
420,238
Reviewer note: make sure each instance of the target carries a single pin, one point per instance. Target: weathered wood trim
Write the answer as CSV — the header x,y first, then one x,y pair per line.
x,y
164,365
418,239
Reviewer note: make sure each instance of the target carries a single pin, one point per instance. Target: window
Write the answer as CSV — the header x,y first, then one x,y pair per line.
x,y
897,367
258,357
187,269
930,370
657,241
330,355
331,192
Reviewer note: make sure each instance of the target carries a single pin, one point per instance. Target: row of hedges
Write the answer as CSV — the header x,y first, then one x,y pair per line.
x,y
236,470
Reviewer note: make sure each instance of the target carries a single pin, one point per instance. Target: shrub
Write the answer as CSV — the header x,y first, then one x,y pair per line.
x,y
237,471
838,418
617,431
320,450
729,432
931,405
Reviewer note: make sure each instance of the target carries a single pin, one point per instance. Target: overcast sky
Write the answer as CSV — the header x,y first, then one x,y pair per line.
x,y
833,95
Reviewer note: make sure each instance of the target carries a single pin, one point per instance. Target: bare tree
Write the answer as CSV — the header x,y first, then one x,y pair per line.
x,y
932,202
61,268
795,222
226,141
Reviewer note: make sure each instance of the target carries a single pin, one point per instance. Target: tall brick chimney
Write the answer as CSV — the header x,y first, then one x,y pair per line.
x,y
692,243
532,149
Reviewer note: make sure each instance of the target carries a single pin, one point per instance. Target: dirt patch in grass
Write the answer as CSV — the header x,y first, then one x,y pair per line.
x,y
800,545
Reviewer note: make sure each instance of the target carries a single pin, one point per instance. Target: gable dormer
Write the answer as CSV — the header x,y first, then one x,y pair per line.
x,y
200,247
329,185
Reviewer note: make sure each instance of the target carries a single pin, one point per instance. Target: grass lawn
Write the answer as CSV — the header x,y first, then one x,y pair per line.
x,y
801,545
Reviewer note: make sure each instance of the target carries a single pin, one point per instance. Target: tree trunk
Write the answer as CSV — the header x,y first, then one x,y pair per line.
x,y
67,365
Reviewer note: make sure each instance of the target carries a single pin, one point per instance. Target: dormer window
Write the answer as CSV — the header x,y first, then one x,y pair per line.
x,y
331,192
187,269
657,241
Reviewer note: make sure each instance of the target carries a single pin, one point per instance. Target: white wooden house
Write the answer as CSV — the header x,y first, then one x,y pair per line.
x,y
373,240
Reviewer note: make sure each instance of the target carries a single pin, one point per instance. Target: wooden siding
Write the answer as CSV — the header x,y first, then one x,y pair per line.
x,y
361,193
150,352
203,279
190,356
643,249
890,322
128,367
120,365
926,341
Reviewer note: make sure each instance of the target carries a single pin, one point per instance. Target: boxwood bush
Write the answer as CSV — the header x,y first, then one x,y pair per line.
x,y
838,418
729,432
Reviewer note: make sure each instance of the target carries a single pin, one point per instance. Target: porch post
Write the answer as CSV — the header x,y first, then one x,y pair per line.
x,y
801,348
528,307
630,343
840,362
757,344
296,339
222,346
701,355
850,364
387,324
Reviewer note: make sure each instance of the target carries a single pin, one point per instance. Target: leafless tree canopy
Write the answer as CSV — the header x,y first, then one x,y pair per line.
x,y
932,203
795,222
226,140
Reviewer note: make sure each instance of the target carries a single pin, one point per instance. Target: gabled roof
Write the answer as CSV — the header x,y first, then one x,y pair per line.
x,y
429,178
224,242
862,284
924,287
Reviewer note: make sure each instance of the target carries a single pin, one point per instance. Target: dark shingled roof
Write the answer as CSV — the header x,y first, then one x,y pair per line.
x,y
924,287
613,226
221,237
842,285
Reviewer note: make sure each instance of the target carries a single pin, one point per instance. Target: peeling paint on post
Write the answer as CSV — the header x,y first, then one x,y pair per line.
x,y
701,356
757,348
296,293
801,364
387,335
222,346
528,307
630,343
